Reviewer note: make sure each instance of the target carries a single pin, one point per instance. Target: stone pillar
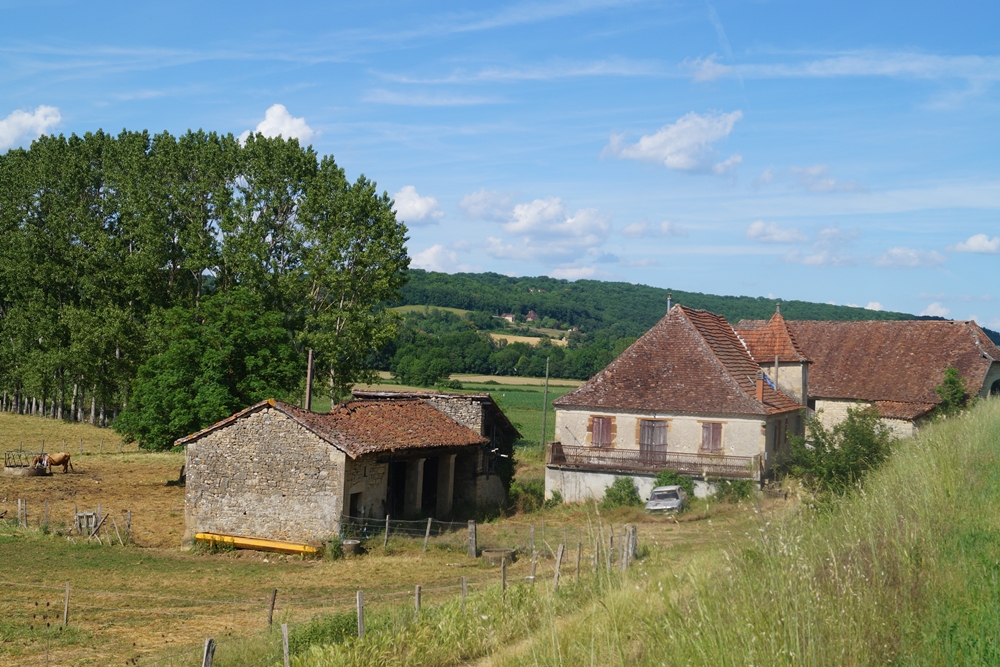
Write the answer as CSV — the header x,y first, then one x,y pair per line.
x,y
414,492
446,485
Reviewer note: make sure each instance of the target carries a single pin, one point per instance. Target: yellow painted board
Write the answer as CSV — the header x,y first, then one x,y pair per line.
x,y
260,544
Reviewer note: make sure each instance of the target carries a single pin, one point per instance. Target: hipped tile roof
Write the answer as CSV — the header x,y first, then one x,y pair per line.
x,y
899,361
771,339
364,427
691,361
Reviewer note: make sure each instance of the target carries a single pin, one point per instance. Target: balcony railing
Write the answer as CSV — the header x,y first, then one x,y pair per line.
x,y
635,460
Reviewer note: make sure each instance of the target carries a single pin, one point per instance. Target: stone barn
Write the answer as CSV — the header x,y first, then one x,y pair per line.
x,y
276,471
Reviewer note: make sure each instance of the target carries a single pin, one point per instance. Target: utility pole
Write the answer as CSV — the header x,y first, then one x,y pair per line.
x,y
545,401
309,382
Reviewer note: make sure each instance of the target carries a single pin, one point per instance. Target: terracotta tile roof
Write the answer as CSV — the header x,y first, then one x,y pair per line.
x,y
499,417
363,427
897,361
690,361
767,340
898,410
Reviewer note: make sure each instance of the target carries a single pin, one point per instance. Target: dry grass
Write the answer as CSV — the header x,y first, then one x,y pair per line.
x,y
17,431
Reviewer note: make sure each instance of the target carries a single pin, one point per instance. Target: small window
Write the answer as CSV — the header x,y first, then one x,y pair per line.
x,y
711,438
601,432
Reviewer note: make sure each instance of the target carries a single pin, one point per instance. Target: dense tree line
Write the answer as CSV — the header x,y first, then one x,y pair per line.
x,y
163,282
621,309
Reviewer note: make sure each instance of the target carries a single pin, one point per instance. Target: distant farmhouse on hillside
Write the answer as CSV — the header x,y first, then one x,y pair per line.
x,y
276,471
700,397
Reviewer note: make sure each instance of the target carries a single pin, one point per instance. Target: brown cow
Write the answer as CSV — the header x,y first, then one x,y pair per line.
x,y
58,459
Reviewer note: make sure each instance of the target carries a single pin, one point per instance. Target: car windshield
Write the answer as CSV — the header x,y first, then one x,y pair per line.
x,y
664,495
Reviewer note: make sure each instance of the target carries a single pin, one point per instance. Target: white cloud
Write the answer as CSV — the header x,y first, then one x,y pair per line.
x,y
545,228
770,232
639,263
909,258
439,258
412,208
816,179
487,205
574,272
935,310
831,248
978,243
685,145
646,229
874,305
21,126
278,122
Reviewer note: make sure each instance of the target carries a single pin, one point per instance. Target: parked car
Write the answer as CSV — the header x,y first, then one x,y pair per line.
x,y
666,499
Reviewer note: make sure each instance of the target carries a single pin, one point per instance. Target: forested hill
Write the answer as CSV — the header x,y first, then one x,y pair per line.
x,y
621,309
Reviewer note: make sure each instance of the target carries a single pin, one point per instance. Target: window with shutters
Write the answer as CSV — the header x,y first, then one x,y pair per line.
x,y
711,438
600,432
652,439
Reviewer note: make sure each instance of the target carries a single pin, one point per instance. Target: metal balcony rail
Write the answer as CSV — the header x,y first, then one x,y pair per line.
x,y
652,461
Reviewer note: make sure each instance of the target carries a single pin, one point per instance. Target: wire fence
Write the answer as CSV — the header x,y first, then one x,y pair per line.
x,y
242,627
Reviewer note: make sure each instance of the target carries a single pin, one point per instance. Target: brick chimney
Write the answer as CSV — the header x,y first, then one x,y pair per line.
x,y
760,386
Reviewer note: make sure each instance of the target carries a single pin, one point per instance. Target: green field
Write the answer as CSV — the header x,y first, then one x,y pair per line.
x,y
427,309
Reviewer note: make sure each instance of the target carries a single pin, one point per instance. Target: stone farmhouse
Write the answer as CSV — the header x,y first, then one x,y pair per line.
x,y
893,365
279,472
700,397
687,396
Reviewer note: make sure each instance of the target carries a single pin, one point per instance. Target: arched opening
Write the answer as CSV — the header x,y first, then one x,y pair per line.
x,y
995,389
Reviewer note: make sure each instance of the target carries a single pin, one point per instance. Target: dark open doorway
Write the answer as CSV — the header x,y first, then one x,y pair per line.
x,y
396,489
428,500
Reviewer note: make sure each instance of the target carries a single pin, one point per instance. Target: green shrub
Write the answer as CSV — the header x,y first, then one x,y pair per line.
x,y
734,490
526,495
621,493
555,501
671,478
953,392
834,460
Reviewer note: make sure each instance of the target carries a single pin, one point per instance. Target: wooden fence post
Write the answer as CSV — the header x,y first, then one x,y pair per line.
x,y
209,654
473,547
534,564
66,608
611,548
465,592
385,541
270,608
559,555
416,604
503,574
284,642
427,533
579,549
531,538
361,615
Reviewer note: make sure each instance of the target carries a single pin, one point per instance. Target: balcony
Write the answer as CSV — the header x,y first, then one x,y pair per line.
x,y
635,460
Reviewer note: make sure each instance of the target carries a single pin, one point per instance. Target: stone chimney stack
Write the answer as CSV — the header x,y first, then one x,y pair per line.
x,y
760,386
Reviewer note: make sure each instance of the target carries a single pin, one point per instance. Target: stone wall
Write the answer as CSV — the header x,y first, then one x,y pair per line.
x,y
264,476
365,475
834,411
466,411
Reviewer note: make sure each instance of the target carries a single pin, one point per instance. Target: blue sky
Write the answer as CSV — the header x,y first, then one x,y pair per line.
x,y
837,152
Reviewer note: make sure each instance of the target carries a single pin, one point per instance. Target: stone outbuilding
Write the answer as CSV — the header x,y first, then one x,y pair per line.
x,y
276,471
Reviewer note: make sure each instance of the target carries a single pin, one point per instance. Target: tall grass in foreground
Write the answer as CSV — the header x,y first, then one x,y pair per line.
x,y
905,570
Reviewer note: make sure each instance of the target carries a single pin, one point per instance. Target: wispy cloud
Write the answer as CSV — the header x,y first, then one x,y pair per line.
x,y
381,96
817,179
487,205
685,145
831,248
771,232
645,229
909,258
908,65
557,69
26,126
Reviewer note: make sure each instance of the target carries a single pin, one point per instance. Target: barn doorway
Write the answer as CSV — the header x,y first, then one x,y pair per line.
x,y
995,389
428,500
355,508
396,489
